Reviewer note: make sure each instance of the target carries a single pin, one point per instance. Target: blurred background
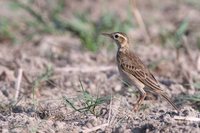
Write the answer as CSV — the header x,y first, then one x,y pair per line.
x,y
56,47
166,22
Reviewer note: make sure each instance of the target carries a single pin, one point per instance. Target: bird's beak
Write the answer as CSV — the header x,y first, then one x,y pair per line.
x,y
107,34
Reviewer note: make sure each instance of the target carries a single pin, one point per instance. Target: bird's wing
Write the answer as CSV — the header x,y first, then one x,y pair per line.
x,y
132,64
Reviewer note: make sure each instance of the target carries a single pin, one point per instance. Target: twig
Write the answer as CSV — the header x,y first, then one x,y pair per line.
x,y
110,110
85,69
24,74
139,20
198,63
112,119
187,118
26,78
17,83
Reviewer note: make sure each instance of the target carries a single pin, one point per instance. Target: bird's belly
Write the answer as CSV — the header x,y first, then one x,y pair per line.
x,y
125,76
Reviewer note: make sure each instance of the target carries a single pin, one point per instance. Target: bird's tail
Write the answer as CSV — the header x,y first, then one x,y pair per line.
x,y
169,101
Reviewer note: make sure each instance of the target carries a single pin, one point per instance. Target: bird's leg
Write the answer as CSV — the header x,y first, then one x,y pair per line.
x,y
141,99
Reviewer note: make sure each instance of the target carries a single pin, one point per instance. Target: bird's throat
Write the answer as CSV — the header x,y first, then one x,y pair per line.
x,y
123,49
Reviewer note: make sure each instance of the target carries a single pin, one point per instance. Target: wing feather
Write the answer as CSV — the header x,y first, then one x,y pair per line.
x,y
132,64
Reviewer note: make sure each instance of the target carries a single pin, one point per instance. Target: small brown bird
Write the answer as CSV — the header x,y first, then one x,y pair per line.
x,y
134,72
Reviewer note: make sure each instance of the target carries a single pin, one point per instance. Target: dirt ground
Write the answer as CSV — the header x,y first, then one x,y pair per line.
x,y
61,80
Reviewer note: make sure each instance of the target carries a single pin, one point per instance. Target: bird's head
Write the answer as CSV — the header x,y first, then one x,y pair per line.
x,y
120,38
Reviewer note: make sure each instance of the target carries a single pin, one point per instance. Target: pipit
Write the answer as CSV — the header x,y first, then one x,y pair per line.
x,y
133,70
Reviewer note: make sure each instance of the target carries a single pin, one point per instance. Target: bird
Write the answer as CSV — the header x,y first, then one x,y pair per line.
x,y
134,71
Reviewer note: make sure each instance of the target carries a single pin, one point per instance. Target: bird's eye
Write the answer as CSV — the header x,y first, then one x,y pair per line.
x,y
116,36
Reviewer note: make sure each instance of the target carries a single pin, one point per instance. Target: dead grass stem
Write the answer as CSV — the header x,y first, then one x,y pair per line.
x,y
85,69
139,20
17,83
187,118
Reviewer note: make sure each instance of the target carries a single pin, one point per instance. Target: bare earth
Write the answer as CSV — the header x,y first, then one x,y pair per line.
x,y
43,103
